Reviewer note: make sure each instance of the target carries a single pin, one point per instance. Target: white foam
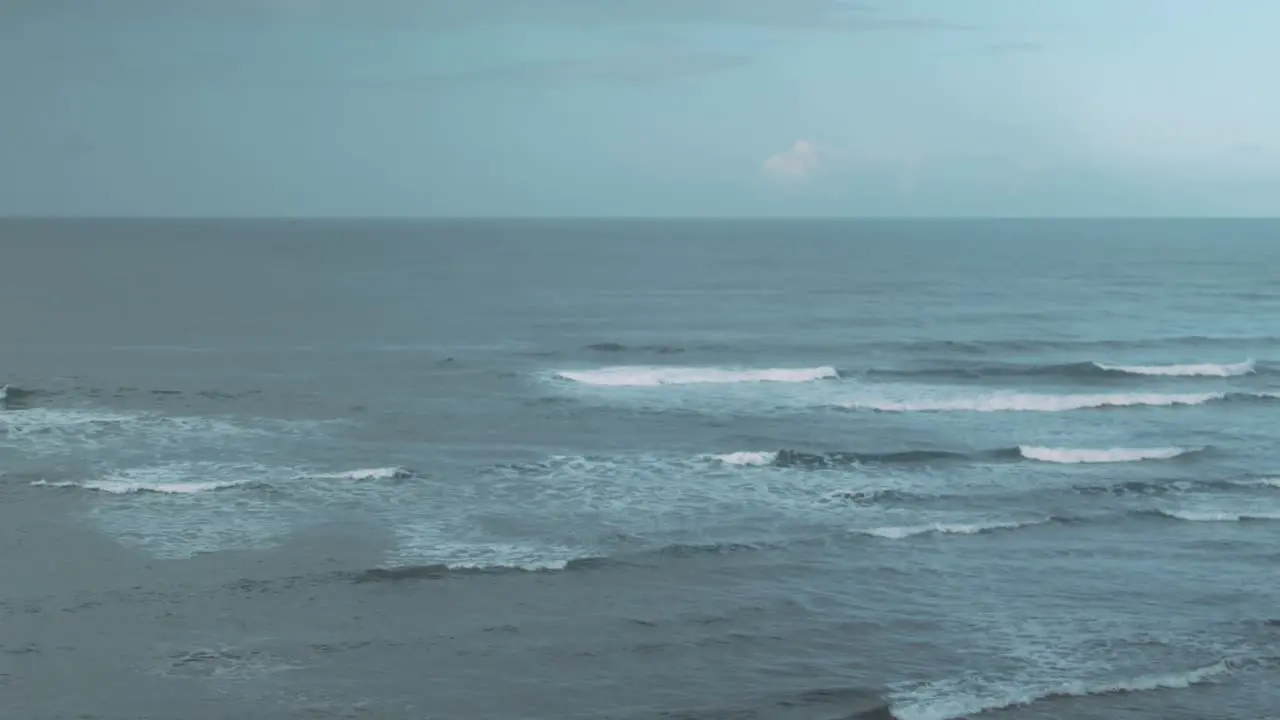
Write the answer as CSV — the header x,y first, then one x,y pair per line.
x,y
948,707
753,459
639,376
176,479
899,532
1208,515
427,543
1193,370
1027,402
386,473
1112,455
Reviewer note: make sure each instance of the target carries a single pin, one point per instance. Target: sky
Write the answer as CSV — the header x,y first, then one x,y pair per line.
x,y
639,108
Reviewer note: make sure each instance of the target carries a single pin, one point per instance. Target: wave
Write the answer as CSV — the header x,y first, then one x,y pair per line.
x,y
1095,370
1211,515
386,473
177,479
899,532
13,397
1194,370
199,477
640,376
613,347
813,461
986,347
1030,402
553,560
959,707
1111,455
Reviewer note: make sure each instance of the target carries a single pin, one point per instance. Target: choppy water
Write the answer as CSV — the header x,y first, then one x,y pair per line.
x,y
640,470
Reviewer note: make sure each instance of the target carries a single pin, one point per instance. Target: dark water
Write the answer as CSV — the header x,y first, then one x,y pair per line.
x,y
640,470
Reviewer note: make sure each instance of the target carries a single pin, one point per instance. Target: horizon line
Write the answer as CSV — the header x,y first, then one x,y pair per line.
x,y
629,218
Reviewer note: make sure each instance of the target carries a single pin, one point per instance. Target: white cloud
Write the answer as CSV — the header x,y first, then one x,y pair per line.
x,y
795,164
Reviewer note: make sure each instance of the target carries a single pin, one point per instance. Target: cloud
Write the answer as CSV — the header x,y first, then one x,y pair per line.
x,y
796,164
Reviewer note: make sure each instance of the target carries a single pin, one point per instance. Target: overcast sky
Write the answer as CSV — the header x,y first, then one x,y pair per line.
x,y
639,107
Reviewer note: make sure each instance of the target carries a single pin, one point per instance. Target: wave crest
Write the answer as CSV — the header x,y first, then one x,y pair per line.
x,y
1191,370
900,532
957,707
1212,515
386,473
640,376
1070,456
1029,402
178,479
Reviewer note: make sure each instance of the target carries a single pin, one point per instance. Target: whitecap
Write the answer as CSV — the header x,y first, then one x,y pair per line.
x,y
1193,370
640,376
174,479
899,532
963,705
384,473
1029,402
752,459
1109,455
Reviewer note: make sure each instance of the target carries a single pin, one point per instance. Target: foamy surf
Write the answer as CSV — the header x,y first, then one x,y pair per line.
x,y
1194,370
386,473
1210,515
949,708
900,532
748,459
1028,402
1070,456
636,376
177,479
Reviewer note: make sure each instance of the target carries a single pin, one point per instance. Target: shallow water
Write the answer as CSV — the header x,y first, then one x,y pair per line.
x,y
639,469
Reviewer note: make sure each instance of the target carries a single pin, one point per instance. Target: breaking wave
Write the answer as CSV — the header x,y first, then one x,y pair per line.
x,y
1030,402
638,376
1212,515
1193,370
177,479
386,473
950,708
899,532
1070,456
188,478
1086,370
15,398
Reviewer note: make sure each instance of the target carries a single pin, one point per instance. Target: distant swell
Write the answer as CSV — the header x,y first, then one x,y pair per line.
x,y
612,347
1029,402
1112,455
655,376
899,532
955,708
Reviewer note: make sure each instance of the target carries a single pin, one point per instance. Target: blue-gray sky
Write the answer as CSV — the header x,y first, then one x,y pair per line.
x,y
639,107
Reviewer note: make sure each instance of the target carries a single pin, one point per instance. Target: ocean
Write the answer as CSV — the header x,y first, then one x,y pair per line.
x,y
640,470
